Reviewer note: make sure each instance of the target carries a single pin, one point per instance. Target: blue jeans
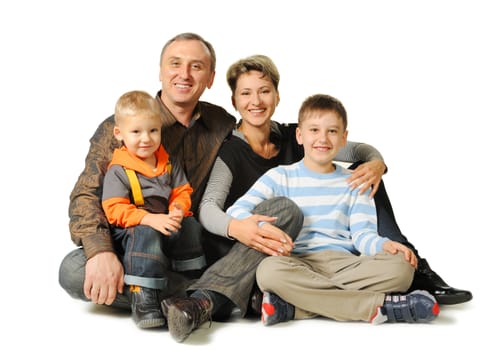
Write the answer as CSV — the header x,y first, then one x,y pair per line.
x,y
186,256
230,280
147,254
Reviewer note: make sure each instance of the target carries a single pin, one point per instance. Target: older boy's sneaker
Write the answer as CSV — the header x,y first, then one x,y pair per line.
x,y
184,315
275,310
145,307
418,306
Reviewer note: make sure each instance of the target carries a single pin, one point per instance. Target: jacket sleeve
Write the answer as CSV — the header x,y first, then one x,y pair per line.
x,y
87,223
182,196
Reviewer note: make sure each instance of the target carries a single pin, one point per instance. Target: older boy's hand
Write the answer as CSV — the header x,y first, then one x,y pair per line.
x,y
393,247
368,174
267,239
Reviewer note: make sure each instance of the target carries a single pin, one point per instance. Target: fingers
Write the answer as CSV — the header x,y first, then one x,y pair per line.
x,y
270,247
102,295
87,288
274,244
264,218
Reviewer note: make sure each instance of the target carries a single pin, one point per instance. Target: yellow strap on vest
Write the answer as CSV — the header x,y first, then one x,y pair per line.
x,y
135,187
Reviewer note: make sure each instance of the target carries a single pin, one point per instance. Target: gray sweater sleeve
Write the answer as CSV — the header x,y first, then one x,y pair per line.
x,y
211,214
357,151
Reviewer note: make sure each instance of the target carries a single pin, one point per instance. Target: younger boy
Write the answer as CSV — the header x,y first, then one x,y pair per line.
x,y
145,198
340,267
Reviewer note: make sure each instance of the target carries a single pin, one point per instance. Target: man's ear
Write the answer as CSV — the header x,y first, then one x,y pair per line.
x,y
211,80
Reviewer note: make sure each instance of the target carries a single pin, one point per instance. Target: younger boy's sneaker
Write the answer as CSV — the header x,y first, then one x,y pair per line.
x,y
418,306
145,307
275,310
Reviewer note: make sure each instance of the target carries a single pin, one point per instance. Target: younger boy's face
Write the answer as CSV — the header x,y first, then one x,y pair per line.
x,y
322,134
140,134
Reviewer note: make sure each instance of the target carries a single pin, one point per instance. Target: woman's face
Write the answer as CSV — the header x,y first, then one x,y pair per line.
x,y
255,98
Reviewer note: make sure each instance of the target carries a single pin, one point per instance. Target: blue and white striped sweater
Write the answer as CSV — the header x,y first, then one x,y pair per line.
x,y
335,217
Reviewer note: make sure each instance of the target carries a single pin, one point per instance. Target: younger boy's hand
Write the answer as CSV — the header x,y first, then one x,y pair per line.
x,y
177,212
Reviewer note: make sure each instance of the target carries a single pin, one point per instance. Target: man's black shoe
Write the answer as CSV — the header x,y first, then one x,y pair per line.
x,y
184,315
145,307
427,279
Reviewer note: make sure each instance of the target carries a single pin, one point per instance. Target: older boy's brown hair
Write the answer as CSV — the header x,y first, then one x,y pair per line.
x,y
322,102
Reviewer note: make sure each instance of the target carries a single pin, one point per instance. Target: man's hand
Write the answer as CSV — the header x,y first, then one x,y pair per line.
x,y
104,278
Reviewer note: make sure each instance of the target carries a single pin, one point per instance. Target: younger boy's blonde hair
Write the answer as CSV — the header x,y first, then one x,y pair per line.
x,y
322,102
135,103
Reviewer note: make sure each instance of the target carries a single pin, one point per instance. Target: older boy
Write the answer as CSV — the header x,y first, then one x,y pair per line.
x,y
340,267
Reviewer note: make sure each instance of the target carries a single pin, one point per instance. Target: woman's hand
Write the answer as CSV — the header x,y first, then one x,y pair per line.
x,y
368,174
266,238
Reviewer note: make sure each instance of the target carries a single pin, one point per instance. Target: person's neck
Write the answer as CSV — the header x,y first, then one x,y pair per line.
x,y
258,139
321,168
182,113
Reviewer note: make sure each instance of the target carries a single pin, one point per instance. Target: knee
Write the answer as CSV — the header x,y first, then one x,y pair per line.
x,y
261,274
290,216
72,273
402,274
266,273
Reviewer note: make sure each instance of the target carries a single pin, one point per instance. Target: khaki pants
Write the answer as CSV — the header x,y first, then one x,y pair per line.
x,y
337,285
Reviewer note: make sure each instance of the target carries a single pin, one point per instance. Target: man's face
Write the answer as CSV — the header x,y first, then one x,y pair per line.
x,y
185,73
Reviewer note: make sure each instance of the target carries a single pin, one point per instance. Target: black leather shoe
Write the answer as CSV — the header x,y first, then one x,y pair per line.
x,y
184,315
145,307
427,279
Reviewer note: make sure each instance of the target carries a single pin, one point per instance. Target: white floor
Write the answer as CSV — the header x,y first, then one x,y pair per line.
x,y
83,326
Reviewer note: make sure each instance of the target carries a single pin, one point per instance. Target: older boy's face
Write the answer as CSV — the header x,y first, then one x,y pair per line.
x,y
323,135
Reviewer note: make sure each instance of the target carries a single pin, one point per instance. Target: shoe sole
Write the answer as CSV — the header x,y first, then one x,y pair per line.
x,y
151,323
452,300
267,309
179,327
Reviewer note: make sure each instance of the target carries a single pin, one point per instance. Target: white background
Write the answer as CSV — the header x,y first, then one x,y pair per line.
x,y
418,79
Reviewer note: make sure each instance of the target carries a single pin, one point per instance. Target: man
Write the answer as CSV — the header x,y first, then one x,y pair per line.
x,y
192,132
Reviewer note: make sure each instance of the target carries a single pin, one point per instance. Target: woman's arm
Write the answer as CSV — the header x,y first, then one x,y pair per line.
x,y
358,151
211,209
369,173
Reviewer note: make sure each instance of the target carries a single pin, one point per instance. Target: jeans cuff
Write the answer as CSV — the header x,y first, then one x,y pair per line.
x,y
189,264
